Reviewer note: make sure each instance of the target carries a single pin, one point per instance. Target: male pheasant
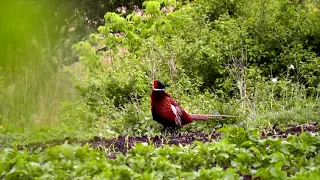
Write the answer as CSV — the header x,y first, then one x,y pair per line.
x,y
168,112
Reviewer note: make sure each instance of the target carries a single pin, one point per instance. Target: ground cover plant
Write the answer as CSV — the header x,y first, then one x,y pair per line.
x,y
238,154
78,107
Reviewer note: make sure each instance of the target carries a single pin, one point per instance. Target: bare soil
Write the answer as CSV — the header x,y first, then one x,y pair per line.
x,y
124,143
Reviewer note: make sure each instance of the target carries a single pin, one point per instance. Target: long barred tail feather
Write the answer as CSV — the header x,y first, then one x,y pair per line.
x,y
199,117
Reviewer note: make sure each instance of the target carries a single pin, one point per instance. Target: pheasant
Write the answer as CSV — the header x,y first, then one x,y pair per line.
x,y
169,113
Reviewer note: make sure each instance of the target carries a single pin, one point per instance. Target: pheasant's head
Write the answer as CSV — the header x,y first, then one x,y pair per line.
x,y
158,86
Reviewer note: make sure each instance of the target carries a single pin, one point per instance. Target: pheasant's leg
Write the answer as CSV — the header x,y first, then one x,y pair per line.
x,y
176,131
173,131
164,131
170,131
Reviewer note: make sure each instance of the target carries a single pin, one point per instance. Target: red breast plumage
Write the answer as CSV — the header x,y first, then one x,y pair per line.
x,y
168,112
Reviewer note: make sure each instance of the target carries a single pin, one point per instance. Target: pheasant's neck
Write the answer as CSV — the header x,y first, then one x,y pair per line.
x,y
157,96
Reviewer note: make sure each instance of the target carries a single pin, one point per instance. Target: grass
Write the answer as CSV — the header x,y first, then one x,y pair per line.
x,y
34,91
56,112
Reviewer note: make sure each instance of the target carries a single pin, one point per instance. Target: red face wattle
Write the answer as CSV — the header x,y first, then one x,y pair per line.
x,y
155,84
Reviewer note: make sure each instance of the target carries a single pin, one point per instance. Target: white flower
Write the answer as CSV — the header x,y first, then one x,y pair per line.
x,y
291,66
274,80
144,144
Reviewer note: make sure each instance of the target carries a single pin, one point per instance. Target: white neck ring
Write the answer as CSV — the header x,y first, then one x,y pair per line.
x,y
155,89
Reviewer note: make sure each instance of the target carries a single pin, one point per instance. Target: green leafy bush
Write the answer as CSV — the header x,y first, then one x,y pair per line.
x,y
254,57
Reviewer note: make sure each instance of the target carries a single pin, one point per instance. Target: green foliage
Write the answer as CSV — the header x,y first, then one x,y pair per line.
x,y
32,54
294,158
256,60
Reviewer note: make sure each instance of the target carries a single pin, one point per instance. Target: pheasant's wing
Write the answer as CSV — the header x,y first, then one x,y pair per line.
x,y
177,110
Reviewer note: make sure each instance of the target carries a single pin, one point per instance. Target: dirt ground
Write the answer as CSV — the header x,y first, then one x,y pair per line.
x,y
124,143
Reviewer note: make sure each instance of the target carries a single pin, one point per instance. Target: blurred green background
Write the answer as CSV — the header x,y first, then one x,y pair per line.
x,y
32,35
36,37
